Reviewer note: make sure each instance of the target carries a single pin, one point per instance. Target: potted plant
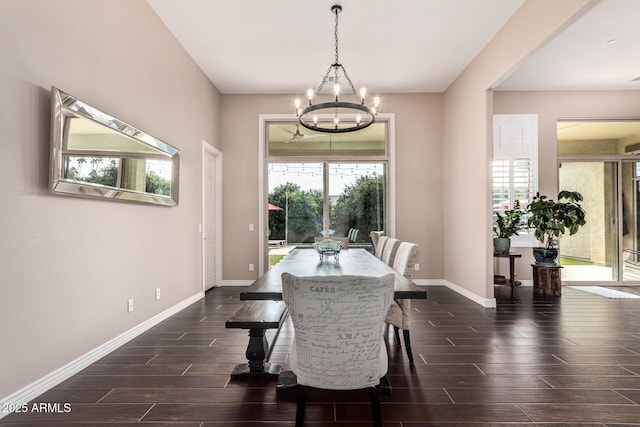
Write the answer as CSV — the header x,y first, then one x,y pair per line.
x,y
505,225
551,220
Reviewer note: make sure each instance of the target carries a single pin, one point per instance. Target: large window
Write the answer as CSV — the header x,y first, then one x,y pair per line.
x,y
514,171
322,185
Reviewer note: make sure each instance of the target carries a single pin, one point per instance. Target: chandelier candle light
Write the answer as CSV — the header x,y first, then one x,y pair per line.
x,y
347,116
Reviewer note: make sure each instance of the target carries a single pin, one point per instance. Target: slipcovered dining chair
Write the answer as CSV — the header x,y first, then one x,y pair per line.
x,y
375,236
338,344
398,315
389,251
380,248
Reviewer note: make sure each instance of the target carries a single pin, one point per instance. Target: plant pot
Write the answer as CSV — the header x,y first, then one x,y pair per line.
x,y
544,256
501,245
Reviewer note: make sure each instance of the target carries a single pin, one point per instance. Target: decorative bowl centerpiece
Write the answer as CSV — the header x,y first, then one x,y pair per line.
x,y
328,247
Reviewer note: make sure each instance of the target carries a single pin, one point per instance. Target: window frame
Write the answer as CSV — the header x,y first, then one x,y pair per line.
x,y
514,147
264,159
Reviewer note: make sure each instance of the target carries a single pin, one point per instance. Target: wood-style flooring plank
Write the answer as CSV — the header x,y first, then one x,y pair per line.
x,y
533,361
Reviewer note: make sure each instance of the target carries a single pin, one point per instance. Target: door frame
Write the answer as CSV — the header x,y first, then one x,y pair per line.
x,y
208,149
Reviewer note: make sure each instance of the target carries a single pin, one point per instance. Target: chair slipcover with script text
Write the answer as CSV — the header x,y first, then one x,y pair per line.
x,y
398,315
338,343
382,241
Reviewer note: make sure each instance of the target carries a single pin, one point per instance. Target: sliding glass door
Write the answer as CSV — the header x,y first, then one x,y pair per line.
x,y
631,221
356,199
314,200
601,160
607,248
592,253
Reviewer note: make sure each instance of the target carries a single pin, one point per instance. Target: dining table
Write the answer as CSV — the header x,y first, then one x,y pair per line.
x,y
303,261
307,262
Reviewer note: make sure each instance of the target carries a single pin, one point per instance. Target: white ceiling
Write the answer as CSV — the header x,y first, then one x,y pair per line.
x,y
285,46
600,51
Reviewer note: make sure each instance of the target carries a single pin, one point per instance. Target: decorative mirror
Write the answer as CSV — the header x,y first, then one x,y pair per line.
x,y
96,155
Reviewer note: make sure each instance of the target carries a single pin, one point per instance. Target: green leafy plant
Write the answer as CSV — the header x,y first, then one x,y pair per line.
x,y
552,219
510,222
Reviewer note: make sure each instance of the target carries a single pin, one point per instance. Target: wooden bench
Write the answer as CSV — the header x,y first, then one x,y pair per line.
x,y
258,317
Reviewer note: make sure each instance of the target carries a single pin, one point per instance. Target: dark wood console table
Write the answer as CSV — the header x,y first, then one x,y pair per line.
x,y
512,269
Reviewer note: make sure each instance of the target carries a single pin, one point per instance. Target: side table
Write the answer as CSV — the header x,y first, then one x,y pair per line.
x,y
512,270
547,279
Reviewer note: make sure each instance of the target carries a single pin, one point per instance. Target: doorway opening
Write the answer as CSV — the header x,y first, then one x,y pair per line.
x,y
601,160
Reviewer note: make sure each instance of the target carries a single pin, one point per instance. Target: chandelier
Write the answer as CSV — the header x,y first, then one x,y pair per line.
x,y
343,116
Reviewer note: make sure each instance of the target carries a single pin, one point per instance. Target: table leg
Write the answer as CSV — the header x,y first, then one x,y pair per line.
x,y
512,276
256,353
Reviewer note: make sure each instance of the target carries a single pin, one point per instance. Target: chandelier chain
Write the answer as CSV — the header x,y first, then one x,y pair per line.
x,y
336,35
324,78
346,76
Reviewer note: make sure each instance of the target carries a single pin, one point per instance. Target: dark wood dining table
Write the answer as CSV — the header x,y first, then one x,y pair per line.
x,y
306,262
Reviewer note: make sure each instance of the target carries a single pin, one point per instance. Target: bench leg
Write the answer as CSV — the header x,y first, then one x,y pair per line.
x,y
257,350
256,354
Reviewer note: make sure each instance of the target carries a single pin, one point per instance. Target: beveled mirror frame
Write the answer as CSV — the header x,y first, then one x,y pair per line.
x,y
64,109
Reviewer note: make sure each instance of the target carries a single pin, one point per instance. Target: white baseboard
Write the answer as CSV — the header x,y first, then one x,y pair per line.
x,y
237,282
429,282
54,378
485,302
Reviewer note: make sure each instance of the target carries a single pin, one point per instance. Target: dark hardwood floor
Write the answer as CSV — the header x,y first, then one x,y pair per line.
x,y
572,360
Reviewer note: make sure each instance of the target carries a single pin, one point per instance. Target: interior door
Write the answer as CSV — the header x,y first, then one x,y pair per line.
x,y
209,219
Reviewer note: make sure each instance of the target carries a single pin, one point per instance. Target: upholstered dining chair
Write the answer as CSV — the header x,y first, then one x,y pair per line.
x,y
389,251
380,248
399,311
338,343
375,236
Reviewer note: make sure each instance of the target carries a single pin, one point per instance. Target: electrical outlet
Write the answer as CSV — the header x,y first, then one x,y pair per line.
x,y
417,267
251,267
157,294
129,306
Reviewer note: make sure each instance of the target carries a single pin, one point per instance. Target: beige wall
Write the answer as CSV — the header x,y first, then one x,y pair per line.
x,y
419,184
551,106
467,139
68,265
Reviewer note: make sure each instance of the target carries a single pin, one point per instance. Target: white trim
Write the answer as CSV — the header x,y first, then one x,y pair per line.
x,y
54,378
429,282
485,302
391,196
237,282
262,231
217,215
